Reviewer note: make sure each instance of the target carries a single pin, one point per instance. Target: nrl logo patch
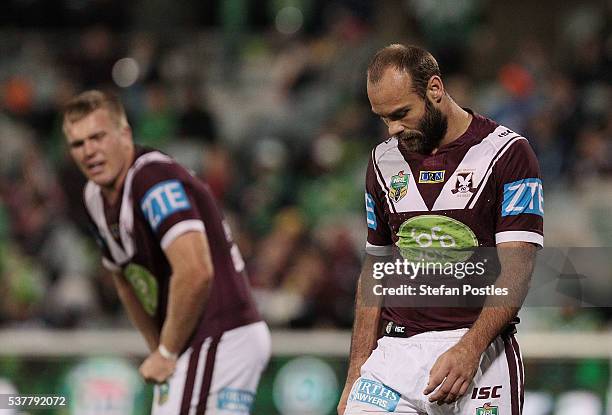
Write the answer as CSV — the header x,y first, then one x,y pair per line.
x,y
465,183
487,409
164,392
399,186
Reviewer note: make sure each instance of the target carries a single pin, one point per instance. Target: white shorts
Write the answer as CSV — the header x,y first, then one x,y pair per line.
x,y
225,370
396,373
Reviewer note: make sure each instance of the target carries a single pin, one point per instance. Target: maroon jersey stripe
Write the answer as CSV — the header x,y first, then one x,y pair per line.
x,y
512,368
208,372
517,350
190,379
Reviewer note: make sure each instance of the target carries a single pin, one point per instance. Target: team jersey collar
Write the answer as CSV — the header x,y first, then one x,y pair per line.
x,y
478,129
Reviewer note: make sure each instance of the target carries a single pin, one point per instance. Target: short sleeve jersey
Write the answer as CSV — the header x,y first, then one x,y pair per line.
x,y
161,201
482,189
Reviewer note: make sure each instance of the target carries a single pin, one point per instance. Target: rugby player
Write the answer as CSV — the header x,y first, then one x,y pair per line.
x,y
447,174
176,268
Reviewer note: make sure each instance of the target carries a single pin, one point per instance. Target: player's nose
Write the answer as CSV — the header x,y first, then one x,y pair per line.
x,y
89,148
395,128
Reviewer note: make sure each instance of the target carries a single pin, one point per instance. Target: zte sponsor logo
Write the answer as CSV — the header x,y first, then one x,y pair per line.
x,y
523,196
487,392
162,200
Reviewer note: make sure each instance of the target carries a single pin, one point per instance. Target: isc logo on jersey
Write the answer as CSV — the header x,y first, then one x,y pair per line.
x,y
162,200
523,196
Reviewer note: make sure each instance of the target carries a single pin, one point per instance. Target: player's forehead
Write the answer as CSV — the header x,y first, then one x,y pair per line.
x,y
98,119
394,90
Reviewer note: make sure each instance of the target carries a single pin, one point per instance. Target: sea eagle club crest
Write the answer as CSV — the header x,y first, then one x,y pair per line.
x,y
399,186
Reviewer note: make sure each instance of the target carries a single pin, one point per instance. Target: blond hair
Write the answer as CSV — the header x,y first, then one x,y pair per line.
x,y
87,102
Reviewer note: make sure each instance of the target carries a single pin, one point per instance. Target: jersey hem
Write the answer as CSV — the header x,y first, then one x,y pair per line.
x,y
378,250
519,236
180,228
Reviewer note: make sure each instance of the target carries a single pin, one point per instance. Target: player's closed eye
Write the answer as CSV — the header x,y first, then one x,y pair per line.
x,y
98,136
398,115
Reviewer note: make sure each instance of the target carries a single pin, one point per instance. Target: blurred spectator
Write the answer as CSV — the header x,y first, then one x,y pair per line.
x,y
157,125
195,121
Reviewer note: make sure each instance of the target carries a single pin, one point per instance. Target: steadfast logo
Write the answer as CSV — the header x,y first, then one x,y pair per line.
x,y
162,200
375,393
523,196
370,215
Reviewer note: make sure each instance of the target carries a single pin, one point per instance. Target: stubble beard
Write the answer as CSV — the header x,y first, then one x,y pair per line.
x,y
430,132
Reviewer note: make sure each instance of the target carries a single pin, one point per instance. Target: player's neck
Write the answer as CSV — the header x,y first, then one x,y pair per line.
x,y
113,192
458,122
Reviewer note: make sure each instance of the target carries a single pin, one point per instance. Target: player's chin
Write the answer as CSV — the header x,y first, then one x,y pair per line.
x,y
413,141
100,179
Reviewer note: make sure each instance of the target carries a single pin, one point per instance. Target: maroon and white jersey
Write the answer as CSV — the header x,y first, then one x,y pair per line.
x,y
482,189
160,201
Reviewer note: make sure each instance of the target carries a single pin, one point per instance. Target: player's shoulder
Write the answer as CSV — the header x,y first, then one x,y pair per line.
x,y
503,138
509,144
152,161
153,167
513,153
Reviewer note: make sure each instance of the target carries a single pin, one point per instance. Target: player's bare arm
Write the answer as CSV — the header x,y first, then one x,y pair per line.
x,y
192,273
138,316
454,370
365,330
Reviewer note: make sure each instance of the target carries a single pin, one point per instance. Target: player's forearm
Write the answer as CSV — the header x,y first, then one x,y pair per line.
x,y
187,298
490,323
517,261
363,339
136,313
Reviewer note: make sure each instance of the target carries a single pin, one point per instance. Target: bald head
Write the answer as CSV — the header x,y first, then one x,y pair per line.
x,y
419,64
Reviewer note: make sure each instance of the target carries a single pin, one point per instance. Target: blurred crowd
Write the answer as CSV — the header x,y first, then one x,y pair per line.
x,y
275,118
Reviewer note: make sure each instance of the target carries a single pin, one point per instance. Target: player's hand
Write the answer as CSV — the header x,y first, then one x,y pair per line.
x,y
453,372
156,368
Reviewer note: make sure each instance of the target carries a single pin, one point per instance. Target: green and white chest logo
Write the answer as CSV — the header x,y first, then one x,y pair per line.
x,y
145,286
435,231
399,186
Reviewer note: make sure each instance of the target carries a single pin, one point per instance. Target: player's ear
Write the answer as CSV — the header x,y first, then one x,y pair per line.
x,y
435,89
